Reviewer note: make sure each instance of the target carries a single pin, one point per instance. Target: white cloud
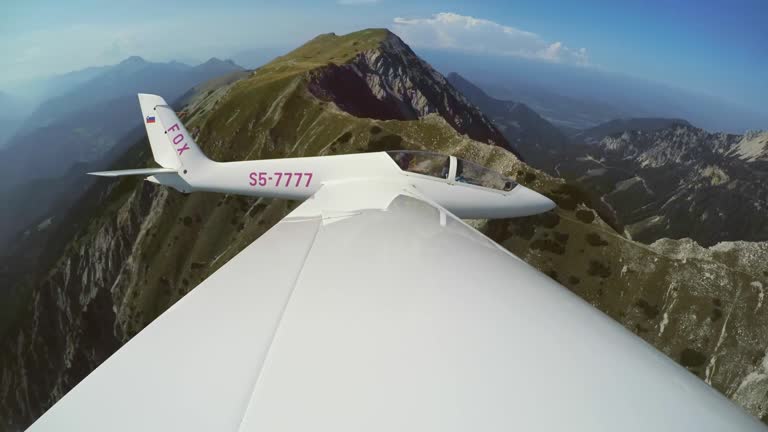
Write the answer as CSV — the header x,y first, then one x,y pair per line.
x,y
453,31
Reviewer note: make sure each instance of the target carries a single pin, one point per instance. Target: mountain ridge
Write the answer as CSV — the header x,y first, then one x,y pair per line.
x,y
128,77
595,134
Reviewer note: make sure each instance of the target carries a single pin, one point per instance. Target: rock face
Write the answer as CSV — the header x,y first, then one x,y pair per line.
x,y
144,246
390,82
70,324
753,147
730,315
679,182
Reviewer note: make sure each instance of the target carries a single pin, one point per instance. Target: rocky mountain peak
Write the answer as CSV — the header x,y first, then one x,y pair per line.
x,y
384,79
133,60
217,61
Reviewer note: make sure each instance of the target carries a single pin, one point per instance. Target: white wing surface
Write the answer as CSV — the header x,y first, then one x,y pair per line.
x,y
394,317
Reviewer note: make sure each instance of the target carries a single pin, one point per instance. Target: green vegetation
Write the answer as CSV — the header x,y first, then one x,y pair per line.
x,y
594,239
548,245
691,358
586,216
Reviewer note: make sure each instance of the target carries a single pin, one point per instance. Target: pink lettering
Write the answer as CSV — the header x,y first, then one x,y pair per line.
x,y
181,150
178,138
264,179
173,128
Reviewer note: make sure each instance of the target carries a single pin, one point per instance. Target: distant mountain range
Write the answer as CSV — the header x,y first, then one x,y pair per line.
x,y
537,140
582,97
38,90
124,79
569,113
13,110
129,249
661,177
677,181
595,134
82,126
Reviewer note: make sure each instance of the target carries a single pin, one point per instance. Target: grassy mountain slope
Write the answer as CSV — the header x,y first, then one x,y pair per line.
x,y
145,246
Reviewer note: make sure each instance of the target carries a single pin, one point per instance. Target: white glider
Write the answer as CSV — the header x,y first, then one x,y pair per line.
x,y
373,307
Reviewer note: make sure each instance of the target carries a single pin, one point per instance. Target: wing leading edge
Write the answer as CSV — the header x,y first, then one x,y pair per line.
x,y
396,317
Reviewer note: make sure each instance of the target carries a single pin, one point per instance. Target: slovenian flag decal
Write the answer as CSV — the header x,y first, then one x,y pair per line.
x,y
150,119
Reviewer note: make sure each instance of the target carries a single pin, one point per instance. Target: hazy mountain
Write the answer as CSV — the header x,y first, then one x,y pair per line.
x,y
21,98
131,76
37,90
565,112
12,113
140,247
679,181
83,126
595,134
537,140
578,96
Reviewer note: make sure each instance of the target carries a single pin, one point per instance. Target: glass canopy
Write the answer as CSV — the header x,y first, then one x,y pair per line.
x,y
439,166
478,175
420,162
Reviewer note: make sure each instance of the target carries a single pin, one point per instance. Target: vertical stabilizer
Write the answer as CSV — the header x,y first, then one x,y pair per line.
x,y
172,145
163,153
177,138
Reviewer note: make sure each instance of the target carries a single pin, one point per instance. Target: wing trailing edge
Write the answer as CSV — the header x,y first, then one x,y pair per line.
x,y
133,172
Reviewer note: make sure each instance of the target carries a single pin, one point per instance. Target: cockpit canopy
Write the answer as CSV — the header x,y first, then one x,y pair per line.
x,y
439,165
421,162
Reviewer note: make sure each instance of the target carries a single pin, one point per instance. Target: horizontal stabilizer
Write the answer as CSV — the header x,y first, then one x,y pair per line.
x,y
132,172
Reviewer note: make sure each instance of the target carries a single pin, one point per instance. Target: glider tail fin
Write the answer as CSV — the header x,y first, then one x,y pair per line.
x,y
172,145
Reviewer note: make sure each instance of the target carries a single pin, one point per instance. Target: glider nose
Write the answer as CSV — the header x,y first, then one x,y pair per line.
x,y
530,202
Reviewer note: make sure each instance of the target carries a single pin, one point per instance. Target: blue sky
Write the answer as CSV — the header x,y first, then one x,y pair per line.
x,y
715,47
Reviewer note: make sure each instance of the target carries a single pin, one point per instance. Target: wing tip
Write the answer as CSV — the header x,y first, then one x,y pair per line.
x,y
100,174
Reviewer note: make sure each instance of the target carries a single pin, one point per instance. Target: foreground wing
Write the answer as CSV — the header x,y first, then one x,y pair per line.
x,y
401,318
195,367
